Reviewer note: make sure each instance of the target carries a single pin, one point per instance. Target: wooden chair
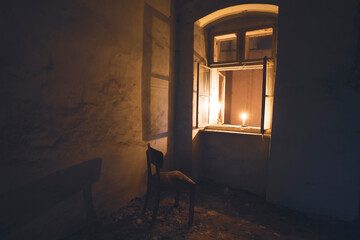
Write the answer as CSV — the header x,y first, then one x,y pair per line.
x,y
166,181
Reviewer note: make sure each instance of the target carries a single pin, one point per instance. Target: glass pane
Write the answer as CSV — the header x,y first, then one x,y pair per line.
x,y
204,96
246,97
258,43
268,112
270,77
269,99
204,103
204,81
194,109
194,106
221,97
195,76
225,48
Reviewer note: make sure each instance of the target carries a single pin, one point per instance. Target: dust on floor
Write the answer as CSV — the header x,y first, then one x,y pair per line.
x,y
220,213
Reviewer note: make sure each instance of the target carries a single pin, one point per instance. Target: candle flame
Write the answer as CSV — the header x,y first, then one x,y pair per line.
x,y
243,117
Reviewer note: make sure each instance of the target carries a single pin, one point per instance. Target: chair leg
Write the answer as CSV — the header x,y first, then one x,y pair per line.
x,y
176,204
156,207
192,204
146,198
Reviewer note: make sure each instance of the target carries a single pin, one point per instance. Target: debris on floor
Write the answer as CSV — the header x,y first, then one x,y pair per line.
x,y
220,213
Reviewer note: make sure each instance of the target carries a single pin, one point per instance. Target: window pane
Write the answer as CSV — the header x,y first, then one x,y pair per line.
x,y
225,48
195,73
269,99
204,103
194,114
270,77
246,97
194,109
204,96
204,81
258,43
221,97
268,112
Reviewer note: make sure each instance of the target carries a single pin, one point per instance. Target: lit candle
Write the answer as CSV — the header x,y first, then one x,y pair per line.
x,y
243,117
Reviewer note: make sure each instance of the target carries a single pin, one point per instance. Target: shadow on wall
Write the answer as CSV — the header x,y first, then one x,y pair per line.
x,y
155,73
20,206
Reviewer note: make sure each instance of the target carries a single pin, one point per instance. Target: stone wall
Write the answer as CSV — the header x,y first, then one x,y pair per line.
x,y
74,86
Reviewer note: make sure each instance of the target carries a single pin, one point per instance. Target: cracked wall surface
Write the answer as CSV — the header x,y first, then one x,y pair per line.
x,y
71,90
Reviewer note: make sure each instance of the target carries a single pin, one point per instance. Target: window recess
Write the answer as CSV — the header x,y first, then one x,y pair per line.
x,y
236,91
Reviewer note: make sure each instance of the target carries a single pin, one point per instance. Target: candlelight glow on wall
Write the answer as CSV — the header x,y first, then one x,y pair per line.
x,y
243,117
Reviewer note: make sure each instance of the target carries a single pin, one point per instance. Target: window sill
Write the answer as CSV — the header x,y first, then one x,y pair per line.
x,y
242,63
236,129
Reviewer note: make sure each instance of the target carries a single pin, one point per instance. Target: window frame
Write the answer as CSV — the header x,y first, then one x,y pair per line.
x,y
198,65
264,95
244,30
240,61
212,42
240,51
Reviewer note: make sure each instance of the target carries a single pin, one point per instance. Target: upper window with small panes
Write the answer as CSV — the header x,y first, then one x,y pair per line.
x,y
242,45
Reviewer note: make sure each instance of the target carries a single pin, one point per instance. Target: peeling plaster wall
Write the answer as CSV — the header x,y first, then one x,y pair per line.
x,y
71,90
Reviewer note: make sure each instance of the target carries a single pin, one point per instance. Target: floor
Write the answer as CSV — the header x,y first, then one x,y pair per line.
x,y
220,213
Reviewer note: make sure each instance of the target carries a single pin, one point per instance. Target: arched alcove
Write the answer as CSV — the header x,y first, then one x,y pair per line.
x,y
315,59
234,74
213,11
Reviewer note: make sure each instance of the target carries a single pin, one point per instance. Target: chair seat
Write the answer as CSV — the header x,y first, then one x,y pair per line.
x,y
175,179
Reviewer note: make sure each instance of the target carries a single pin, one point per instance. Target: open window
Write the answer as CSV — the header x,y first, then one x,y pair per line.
x,y
236,98
201,96
236,90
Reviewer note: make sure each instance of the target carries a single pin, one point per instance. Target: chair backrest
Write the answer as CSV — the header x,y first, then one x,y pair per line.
x,y
155,157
